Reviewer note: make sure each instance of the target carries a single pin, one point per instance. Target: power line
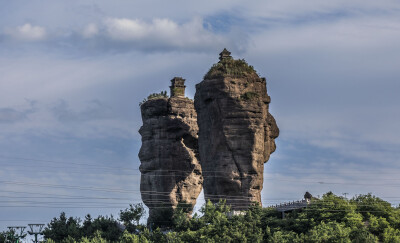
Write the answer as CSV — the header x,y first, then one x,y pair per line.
x,y
88,173
126,190
167,207
160,201
97,166
156,200
52,195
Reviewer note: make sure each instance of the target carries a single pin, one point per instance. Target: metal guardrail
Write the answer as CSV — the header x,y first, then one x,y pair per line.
x,y
289,206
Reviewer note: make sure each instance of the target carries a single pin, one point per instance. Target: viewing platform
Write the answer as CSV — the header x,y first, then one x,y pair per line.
x,y
290,206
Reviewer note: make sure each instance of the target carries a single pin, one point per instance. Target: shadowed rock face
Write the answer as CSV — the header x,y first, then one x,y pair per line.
x,y
170,168
236,132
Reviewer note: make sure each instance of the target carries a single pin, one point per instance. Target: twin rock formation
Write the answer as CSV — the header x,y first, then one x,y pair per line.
x,y
219,142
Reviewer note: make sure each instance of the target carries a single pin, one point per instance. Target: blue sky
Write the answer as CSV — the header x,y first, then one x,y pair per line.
x,y
73,73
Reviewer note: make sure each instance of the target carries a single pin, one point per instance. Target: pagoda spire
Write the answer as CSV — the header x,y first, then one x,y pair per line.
x,y
224,54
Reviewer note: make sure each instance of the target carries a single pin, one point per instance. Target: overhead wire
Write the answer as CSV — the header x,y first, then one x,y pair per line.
x,y
165,201
52,195
119,190
157,193
97,166
156,200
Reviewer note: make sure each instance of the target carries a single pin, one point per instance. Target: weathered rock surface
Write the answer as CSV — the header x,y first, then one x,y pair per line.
x,y
236,132
170,167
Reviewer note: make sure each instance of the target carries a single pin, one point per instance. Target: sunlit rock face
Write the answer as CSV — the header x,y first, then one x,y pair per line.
x,y
170,169
236,131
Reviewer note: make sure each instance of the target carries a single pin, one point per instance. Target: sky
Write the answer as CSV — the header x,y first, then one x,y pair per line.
x,y
72,74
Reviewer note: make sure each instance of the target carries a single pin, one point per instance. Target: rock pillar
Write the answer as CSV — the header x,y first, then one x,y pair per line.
x,y
171,173
236,131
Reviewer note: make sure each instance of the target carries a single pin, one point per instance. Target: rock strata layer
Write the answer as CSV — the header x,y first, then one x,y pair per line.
x,y
236,132
170,169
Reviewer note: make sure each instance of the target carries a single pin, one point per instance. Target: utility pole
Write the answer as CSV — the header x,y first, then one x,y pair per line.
x,y
13,236
345,194
36,229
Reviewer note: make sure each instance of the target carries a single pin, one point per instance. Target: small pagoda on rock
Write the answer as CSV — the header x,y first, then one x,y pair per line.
x,y
177,87
225,54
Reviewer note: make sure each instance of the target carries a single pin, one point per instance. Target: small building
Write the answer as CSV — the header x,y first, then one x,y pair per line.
x,y
177,87
225,54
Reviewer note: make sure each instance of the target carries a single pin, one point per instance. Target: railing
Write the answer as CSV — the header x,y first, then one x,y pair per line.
x,y
291,205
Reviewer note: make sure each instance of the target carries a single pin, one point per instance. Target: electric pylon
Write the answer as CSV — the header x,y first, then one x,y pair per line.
x,y
36,229
13,236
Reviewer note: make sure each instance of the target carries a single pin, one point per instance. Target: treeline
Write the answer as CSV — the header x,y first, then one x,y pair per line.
x,y
364,218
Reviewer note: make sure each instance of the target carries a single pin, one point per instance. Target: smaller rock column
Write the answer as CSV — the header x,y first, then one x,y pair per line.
x,y
171,173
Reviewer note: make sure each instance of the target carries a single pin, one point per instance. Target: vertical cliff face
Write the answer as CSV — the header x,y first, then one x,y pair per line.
x,y
170,168
236,131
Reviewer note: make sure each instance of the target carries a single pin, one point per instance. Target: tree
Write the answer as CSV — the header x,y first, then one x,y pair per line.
x,y
181,216
329,232
131,216
70,229
331,219
60,228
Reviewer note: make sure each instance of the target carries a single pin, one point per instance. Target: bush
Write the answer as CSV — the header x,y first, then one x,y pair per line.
x,y
249,96
162,94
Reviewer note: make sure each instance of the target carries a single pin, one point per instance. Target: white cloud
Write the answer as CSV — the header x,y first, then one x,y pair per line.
x,y
28,32
162,32
126,29
135,34
90,31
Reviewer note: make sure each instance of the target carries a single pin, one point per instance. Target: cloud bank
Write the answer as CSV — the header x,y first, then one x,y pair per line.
x,y
158,34
162,33
27,32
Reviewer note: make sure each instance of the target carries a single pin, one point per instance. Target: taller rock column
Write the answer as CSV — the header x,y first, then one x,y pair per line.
x,y
236,132
171,173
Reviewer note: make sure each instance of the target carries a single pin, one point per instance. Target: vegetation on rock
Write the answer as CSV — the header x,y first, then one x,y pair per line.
x,y
249,96
162,94
230,67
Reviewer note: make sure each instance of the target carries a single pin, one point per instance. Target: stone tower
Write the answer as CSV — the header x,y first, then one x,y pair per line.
x,y
170,169
177,88
236,131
